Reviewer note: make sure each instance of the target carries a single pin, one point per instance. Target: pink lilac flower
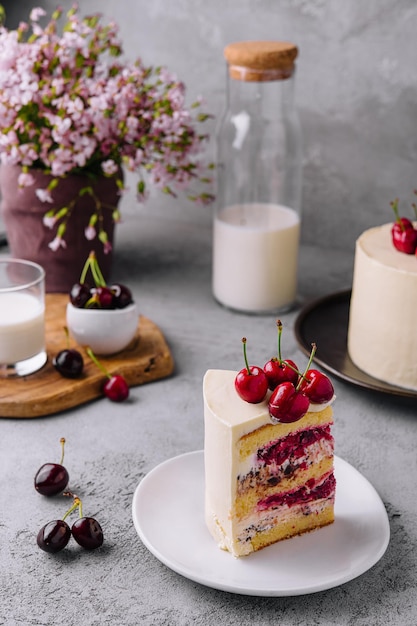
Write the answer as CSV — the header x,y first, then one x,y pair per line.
x,y
44,195
36,14
49,220
25,179
109,167
57,243
90,233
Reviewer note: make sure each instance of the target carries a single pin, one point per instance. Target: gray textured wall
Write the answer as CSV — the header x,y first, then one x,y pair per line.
x,y
356,91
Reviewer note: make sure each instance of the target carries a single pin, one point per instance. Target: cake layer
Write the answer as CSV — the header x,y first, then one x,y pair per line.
x,y
382,340
248,497
287,514
303,519
282,465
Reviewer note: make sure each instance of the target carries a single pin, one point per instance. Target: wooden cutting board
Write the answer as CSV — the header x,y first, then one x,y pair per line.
x,y
147,358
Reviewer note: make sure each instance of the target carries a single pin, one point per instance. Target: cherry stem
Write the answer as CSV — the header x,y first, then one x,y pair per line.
x,y
76,504
245,356
279,326
92,264
414,205
97,362
394,206
303,376
62,442
66,331
294,369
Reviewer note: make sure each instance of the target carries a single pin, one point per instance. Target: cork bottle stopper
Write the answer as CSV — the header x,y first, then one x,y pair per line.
x,y
261,60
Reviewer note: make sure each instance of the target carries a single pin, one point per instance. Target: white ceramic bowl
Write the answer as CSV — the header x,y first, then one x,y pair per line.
x,y
105,331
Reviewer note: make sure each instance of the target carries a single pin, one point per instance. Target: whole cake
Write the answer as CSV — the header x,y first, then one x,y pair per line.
x,y
382,334
264,481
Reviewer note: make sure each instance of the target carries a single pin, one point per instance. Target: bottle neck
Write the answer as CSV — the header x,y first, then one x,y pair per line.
x,y
249,74
274,88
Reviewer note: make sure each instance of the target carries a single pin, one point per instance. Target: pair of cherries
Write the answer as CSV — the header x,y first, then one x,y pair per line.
x,y
50,480
292,391
403,233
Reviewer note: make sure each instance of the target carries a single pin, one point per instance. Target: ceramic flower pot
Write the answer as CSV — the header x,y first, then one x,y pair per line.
x,y
28,237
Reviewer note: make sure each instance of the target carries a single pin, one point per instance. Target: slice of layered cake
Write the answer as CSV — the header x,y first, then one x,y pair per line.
x,y
264,481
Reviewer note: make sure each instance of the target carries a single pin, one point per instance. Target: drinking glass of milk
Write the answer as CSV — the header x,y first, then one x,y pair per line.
x,y
22,317
256,229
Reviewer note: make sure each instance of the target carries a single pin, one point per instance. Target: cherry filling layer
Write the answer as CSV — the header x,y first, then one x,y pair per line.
x,y
313,490
293,445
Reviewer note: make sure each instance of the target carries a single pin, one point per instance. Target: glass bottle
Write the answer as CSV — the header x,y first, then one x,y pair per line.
x,y
259,181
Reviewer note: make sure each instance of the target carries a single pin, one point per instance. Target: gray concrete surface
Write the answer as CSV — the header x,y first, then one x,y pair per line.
x,y
356,92
111,447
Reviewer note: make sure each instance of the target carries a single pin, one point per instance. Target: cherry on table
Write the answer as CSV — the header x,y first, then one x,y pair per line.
x,y
52,478
87,533
115,388
69,363
251,382
54,536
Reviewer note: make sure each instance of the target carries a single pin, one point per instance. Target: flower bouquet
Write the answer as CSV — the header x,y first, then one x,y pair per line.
x,y
69,106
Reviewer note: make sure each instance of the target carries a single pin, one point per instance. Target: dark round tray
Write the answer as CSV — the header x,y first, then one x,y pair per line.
x,y
325,322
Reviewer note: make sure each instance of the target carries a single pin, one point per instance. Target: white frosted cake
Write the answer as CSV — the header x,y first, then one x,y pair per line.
x,y
263,481
382,333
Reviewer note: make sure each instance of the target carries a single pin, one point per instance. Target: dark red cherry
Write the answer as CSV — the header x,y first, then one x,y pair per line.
x,y
122,296
279,372
251,382
317,387
87,533
116,388
253,385
52,478
69,363
54,536
287,404
405,240
80,294
403,233
105,298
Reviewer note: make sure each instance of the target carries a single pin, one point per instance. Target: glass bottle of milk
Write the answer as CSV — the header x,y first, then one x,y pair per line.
x,y
259,181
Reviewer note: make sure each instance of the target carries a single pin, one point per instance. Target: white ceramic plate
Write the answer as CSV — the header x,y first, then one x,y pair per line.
x,y
168,514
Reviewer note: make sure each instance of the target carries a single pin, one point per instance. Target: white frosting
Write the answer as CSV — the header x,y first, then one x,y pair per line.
x,y
382,335
227,418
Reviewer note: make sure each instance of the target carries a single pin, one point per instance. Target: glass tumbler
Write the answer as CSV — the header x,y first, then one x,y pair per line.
x,y
22,317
